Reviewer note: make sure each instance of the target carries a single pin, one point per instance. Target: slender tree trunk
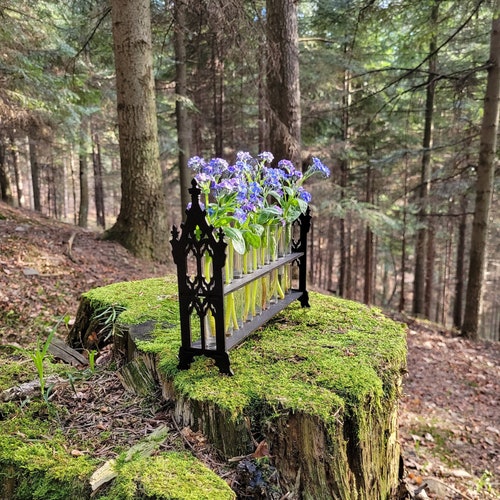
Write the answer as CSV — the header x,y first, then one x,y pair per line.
x,y
262,101
460,268
98,181
484,184
425,175
357,260
344,175
181,111
35,175
331,254
218,94
141,223
83,212
5,185
402,297
343,258
429,273
58,187
283,80
73,184
368,268
14,153
447,274
349,261
49,184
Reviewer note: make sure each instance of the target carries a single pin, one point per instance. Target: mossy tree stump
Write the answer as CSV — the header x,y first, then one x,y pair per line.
x,y
319,385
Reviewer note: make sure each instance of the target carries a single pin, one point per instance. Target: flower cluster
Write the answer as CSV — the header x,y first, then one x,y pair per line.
x,y
244,197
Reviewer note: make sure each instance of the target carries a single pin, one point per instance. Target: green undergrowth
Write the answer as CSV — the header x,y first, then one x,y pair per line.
x,y
35,457
35,462
337,355
173,475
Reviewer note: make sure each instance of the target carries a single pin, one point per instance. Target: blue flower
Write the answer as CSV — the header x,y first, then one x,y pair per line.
x,y
255,191
287,166
218,166
240,215
244,157
319,167
304,195
249,192
266,157
196,163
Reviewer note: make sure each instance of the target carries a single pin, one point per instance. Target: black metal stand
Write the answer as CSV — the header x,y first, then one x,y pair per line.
x,y
202,293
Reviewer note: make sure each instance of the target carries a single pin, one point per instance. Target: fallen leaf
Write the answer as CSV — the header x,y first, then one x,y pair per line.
x,y
262,450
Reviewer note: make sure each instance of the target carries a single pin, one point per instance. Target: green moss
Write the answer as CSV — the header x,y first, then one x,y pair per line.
x,y
36,460
173,475
33,456
15,368
318,360
146,299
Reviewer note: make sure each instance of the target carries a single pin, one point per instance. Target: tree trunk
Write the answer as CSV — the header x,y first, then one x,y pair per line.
x,y
349,260
262,101
98,186
51,190
402,297
35,175
368,267
484,184
83,212
429,271
425,173
344,175
5,185
283,80
181,112
14,153
459,268
141,223
331,254
59,186
218,94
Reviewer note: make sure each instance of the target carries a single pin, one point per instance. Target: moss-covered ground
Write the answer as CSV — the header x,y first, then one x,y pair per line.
x,y
39,461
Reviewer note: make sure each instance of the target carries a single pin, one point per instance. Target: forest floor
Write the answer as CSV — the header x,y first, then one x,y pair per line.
x,y
449,414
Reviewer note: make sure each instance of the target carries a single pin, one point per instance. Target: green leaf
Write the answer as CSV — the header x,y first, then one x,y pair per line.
x,y
237,240
252,238
302,205
268,214
257,229
292,214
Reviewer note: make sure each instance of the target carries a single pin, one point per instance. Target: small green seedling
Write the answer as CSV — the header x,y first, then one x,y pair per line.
x,y
40,352
484,482
92,360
